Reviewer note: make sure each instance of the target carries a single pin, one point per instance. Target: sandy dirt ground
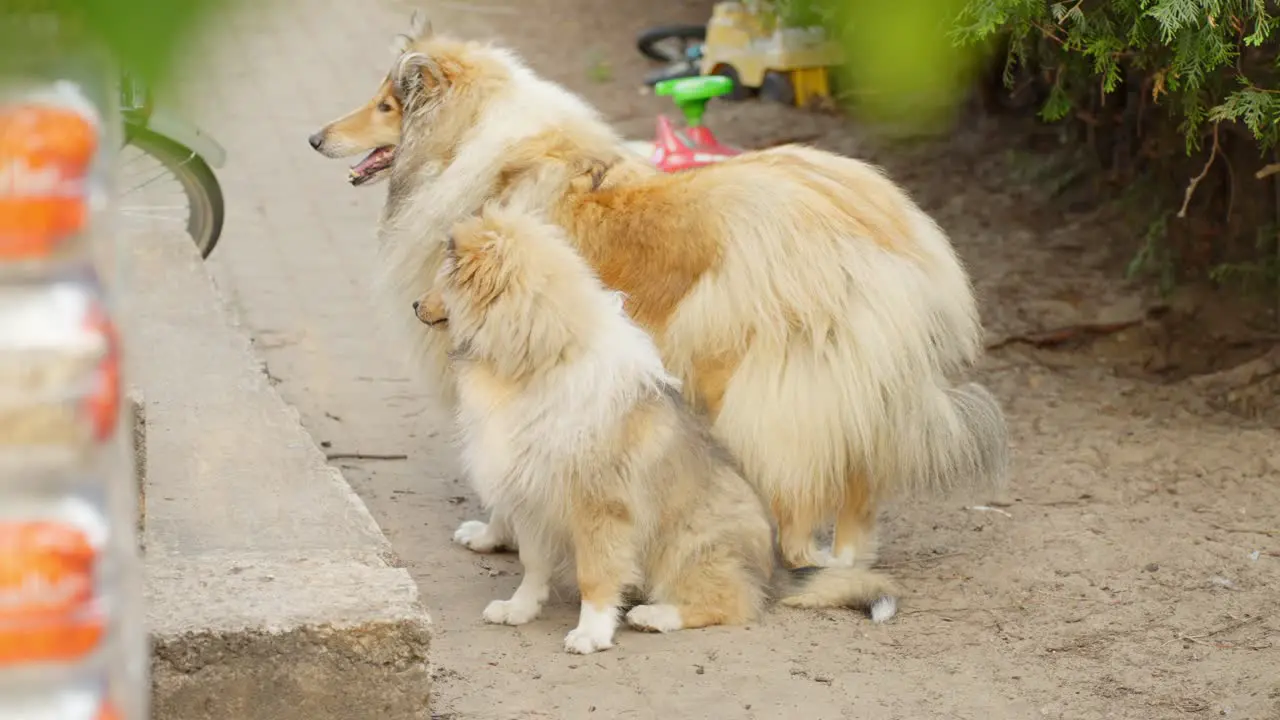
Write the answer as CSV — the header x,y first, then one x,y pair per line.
x,y
1132,572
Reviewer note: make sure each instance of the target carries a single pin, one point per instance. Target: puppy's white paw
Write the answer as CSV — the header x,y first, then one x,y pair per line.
x,y
585,641
476,536
510,612
655,618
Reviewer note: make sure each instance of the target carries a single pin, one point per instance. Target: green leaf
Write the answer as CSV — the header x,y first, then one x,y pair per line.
x,y
1057,105
1258,110
143,35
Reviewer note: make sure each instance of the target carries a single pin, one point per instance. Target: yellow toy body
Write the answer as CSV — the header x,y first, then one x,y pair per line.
x,y
788,65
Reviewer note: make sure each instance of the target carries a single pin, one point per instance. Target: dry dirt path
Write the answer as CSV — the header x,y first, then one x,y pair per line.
x,y
1122,581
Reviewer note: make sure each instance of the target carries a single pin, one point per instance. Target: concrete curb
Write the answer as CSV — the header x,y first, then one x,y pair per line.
x,y
268,661
271,591
137,416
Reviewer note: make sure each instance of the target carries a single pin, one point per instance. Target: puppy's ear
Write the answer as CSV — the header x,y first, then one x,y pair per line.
x,y
479,267
416,74
466,236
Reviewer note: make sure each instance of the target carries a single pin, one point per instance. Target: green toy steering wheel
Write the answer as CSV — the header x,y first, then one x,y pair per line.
x,y
691,94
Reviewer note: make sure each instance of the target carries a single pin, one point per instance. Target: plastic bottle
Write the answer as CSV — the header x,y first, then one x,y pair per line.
x,y
72,643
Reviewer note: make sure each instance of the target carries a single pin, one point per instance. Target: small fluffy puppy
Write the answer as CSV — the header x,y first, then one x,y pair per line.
x,y
574,431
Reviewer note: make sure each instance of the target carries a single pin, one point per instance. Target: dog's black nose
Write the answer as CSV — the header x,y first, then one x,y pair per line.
x,y
415,306
316,141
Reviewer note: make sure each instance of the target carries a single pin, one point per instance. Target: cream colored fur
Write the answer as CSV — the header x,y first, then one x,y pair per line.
x,y
843,305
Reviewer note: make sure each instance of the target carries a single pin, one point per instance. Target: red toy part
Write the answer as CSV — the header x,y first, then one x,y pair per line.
x,y
693,147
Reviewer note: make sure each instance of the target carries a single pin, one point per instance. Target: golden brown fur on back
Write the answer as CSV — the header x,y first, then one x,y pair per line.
x,y
807,304
574,431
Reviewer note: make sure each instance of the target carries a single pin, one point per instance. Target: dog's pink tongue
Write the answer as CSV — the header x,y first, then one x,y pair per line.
x,y
371,161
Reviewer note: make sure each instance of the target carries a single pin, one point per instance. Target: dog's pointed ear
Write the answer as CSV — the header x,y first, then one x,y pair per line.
x,y
417,73
419,29
419,26
400,45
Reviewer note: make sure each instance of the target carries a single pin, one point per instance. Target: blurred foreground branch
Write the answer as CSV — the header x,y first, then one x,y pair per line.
x,y
142,35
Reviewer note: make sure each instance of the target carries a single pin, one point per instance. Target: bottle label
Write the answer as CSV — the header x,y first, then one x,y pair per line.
x,y
48,581
45,154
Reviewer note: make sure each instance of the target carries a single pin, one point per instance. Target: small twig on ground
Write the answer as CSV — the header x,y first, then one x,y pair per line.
x,y
1254,531
1185,638
988,508
999,622
1195,181
1046,593
1059,503
364,456
1199,639
925,611
1058,336
1077,644
921,559
942,611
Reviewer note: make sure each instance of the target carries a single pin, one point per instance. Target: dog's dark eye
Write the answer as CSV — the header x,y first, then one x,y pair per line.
x,y
450,246
384,107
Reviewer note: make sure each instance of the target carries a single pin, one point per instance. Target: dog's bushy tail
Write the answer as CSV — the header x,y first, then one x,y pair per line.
x,y
831,587
958,441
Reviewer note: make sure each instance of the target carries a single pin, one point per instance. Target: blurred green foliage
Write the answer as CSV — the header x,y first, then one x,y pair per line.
x,y
1164,79
1201,61
142,35
902,66
902,69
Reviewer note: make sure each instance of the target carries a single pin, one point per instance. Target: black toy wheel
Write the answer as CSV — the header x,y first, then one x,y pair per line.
x,y
778,87
670,43
740,91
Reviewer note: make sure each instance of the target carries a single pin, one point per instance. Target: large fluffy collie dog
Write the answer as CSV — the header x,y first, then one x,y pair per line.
x,y
572,429
811,309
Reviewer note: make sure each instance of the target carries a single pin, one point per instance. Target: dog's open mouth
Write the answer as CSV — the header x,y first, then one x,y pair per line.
x,y
373,165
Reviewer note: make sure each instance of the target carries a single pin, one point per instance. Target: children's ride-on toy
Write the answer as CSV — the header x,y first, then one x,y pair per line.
x,y
782,58
695,145
789,65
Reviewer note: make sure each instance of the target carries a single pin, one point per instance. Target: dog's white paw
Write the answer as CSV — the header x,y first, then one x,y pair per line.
x,y
883,609
585,641
510,612
594,632
477,537
655,618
